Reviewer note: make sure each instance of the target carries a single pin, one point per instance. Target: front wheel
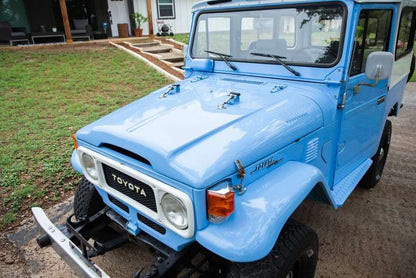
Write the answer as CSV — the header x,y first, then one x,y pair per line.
x,y
294,255
87,201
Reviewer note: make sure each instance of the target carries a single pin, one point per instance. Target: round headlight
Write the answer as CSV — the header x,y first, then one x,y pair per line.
x,y
89,165
175,211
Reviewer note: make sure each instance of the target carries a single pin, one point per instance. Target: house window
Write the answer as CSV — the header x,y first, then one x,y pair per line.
x,y
166,9
404,44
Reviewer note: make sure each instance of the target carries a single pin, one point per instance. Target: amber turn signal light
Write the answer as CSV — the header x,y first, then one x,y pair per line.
x,y
75,141
220,205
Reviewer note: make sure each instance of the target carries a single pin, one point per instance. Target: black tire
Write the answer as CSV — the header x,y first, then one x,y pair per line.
x,y
373,175
87,201
295,254
412,69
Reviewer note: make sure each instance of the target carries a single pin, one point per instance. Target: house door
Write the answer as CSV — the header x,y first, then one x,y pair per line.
x,y
118,13
364,111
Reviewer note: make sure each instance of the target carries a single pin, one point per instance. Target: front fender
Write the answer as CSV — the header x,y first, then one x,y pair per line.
x,y
76,164
250,233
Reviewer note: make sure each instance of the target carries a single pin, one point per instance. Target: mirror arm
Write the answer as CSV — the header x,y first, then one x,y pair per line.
x,y
357,87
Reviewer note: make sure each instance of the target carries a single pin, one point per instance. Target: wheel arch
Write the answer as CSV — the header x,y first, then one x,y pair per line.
x,y
394,110
250,233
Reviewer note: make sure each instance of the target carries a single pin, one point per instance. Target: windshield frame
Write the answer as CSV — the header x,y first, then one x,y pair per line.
x,y
273,7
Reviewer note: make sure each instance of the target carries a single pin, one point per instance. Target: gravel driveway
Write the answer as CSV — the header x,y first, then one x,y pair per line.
x,y
372,235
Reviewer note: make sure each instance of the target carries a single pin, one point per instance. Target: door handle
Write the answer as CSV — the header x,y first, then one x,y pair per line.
x,y
380,100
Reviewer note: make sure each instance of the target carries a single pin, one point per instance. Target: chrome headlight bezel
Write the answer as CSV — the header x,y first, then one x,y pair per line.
x,y
88,163
168,202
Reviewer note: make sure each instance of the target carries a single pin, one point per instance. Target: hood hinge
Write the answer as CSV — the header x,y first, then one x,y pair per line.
x,y
241,172
344,99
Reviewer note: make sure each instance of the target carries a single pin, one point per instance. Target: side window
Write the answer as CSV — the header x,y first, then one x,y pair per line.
x,y
373,33
287,29
219,34
254,29
406,37
213,33
325,32
166,9
201,39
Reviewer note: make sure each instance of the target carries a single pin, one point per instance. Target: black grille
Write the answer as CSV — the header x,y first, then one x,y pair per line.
x,y
135,189
118,203
151,224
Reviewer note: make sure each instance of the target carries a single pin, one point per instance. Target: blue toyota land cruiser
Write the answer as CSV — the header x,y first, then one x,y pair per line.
x,y
281,101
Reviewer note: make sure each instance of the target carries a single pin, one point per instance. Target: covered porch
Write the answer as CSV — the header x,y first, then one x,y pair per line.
x,y
49,21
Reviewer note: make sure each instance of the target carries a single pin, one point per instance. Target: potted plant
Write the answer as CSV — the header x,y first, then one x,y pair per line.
x,y
139,19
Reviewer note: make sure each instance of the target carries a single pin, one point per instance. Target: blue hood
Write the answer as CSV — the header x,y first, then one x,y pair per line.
x,y
185,136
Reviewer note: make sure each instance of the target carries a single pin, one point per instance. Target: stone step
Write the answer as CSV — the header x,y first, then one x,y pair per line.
x,y
172,57
157,49
146,44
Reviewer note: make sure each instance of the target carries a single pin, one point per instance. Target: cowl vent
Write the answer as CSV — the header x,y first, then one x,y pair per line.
x,y
127,153
243,81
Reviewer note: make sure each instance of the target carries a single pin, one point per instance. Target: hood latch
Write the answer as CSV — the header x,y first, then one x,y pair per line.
x,y
232,96
278,88
168,91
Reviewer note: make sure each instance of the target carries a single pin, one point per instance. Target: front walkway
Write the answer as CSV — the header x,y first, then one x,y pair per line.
x,y
165,55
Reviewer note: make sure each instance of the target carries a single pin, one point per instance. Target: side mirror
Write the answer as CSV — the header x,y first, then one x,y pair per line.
x,y
379,65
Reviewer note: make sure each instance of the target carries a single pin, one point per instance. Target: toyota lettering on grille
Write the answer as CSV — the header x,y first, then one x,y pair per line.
x,y
129,185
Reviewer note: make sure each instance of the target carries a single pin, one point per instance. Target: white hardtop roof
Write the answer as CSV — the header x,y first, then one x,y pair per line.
x,y
240,3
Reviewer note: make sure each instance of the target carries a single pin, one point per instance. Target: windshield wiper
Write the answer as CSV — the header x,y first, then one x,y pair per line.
x,y
223,57
277,59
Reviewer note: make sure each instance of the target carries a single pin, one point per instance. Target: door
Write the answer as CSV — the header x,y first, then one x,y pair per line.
x,y
364,111
118,12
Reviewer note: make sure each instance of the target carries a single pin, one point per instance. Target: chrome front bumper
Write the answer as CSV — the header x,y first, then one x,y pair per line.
x,y
65,248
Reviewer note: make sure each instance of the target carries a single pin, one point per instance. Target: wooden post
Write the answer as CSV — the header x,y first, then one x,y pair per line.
x,y
66,21
150,18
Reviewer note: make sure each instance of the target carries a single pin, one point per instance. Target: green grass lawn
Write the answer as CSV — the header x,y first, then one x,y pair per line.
x,y
181,38
45,96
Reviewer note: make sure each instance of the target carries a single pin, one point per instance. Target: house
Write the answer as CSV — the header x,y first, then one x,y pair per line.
x,y
176,13
43,15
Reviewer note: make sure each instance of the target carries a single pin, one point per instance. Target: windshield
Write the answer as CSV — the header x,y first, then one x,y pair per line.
x,y
308,35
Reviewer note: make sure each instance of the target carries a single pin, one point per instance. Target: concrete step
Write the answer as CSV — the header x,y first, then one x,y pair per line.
x,y
147,44
172,57
157,49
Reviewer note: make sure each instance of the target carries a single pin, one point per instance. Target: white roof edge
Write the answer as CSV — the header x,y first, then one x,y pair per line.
x,y
204,4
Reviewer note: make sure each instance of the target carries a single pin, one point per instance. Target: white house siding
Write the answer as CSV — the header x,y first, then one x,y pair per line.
x,y
183,14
